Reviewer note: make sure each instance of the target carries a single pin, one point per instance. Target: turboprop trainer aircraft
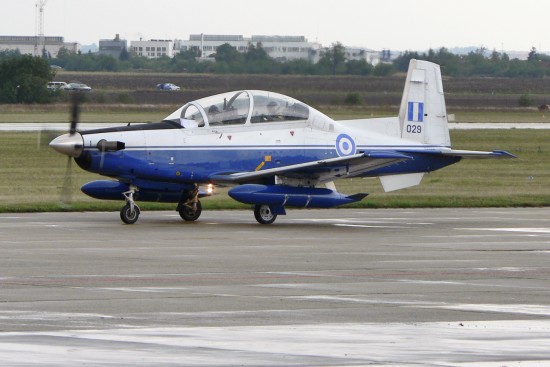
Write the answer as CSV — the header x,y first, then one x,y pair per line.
x,y
276,151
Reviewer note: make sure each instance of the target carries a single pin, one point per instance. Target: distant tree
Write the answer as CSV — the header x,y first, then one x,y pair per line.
x,y
334,57
9,54
358,67
532,54
257,60
192,53
228,54
383,69
401,63
23,80
124,55
256,53
298,66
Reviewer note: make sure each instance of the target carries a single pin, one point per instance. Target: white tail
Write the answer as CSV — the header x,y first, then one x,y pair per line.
x,y
423,115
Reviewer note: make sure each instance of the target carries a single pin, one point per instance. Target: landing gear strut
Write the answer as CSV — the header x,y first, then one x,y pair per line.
x,y
190,207
130,212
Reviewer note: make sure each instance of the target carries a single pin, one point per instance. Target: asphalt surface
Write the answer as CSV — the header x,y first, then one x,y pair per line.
x,y
435,287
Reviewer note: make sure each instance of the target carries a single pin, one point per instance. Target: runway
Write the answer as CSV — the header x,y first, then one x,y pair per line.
x,y
347,287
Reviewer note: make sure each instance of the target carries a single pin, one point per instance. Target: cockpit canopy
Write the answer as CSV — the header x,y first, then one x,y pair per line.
x,y
240,108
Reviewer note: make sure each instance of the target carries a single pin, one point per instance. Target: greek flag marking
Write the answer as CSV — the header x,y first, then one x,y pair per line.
x,y
415,112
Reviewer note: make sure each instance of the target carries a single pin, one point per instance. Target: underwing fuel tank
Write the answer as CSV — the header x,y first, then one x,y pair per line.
x,y
281,196
154,192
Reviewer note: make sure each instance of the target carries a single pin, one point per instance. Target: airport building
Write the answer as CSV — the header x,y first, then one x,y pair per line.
x,y
281,48
31,45
361,53
112,47
152,49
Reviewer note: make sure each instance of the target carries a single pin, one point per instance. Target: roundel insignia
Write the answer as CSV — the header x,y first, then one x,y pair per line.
x,y
345,145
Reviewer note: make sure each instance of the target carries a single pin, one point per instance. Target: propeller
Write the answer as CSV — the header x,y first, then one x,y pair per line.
x,y
66,197
75,112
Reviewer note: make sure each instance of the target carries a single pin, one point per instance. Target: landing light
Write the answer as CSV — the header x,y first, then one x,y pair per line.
x,y
210,189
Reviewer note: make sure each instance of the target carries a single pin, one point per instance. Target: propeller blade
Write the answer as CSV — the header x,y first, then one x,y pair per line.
x,y
44,137
76,99
66,191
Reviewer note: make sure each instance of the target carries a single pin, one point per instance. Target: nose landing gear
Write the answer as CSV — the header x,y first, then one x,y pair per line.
x,y
130,212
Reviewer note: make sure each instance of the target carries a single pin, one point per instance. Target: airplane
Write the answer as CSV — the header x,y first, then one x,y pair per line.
x,y
275,151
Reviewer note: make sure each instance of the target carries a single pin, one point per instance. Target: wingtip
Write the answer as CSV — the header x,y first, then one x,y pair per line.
x,y
503,154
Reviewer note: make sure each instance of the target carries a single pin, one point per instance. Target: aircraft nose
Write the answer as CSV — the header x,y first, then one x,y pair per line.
x,y
68,144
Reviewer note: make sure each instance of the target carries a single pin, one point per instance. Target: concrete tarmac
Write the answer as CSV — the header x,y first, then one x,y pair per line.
x,y
347,287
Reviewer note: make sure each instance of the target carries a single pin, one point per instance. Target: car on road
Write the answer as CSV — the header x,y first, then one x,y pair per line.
x,y
79,87
167,86
57,85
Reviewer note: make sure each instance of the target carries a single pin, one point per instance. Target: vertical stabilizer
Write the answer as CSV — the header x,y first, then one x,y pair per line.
x,y
423,115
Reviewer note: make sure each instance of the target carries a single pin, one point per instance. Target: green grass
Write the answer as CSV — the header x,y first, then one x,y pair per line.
x,y
124,113
518,115
515,115
60,113
32,175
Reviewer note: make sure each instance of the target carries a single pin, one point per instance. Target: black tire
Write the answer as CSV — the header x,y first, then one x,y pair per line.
x,y
187,213
264,214
127,215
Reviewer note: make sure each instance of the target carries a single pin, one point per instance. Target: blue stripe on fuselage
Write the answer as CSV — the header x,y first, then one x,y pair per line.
x,y
192,165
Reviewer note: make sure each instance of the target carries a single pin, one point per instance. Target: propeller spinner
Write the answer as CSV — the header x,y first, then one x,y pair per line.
x,y
71,144
68,144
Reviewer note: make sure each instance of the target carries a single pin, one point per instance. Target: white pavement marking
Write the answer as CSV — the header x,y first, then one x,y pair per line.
x,y
475,343
524,229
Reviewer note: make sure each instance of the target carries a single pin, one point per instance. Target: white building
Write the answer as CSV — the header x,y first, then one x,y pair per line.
x,y
360,53
152,49
281,48
31,45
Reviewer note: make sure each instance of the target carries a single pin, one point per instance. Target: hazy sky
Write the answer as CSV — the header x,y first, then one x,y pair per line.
x,y
376,24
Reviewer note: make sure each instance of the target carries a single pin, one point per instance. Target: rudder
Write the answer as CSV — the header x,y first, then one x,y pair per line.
x,y
423,115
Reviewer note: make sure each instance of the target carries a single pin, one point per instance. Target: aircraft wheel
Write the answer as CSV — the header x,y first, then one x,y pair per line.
x,y
127,215
263,214
188,214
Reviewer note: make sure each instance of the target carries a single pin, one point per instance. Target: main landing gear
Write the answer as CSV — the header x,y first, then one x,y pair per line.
x,y
264,214
190,207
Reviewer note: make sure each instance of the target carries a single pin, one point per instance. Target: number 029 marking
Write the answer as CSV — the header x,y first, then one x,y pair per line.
x,y
414,129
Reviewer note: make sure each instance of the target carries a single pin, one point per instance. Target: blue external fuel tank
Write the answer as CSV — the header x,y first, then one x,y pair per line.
x,y
281,196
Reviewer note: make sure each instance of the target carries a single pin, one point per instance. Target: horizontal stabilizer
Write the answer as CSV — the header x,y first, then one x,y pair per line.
x,y
357,197
460,153
478,154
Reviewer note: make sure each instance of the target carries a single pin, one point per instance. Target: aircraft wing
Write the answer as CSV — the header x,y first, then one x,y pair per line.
x,y
326,169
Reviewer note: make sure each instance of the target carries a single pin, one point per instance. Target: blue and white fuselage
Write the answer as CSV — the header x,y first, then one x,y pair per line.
x,y
278,150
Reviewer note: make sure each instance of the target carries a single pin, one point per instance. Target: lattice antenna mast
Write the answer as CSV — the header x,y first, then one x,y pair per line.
x,y
40,45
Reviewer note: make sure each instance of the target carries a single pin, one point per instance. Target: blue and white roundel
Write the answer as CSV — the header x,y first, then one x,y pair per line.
x,y
345,145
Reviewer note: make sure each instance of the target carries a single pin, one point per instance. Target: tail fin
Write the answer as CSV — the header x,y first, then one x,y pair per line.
x,y
423,115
